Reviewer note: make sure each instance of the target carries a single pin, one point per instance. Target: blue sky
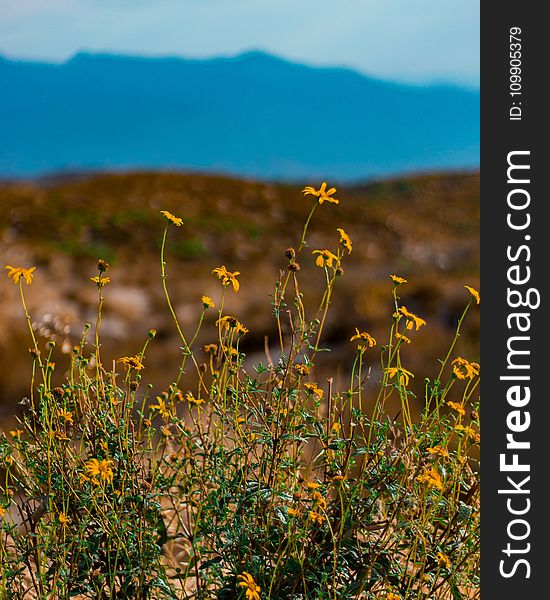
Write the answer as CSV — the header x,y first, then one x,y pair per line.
x,y
418,41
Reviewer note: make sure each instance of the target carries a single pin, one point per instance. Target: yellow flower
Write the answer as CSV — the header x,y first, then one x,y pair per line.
x,y
469,432
166,431
164,411
432,478
463,369
172,219
345,240
336,428
403,375
207,302
132,362
302,369
322,193
313,389
252,588
392,596
100,281
474,293
443,561
403,338
63,518
192,400
438,451
102,469
413,321
210,348
363,336
398,280
293,512
230,351
16,433
229,322
67,415
316,517
227,277
2,512
312,485
325,258
458,407
17,272
319,500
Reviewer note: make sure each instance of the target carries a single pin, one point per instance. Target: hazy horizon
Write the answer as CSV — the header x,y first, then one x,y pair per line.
x,y
231,56
421,43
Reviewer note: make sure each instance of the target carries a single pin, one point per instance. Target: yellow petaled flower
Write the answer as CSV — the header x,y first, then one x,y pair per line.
x,y
229,322
16,433
319,500
432,478
192,400
17,272
302,369
227,277
316,517
456,406
312,485
403,338
464,369
252,588
392,596
363,336
164,411
171,218
398,280
2,512
345,240
336,428
325,258
313,389
469,432
293,512
132,362
230,351
338,478
413,321
443,561
438,451
403,375
99,468
67,415
210,348
207,302
100,281
63,518
474,293
322,193
166,431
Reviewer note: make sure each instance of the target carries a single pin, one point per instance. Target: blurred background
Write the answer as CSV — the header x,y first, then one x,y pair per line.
x,y
221,113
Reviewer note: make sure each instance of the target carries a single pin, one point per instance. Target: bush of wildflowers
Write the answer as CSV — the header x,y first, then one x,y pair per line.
x,y
239,480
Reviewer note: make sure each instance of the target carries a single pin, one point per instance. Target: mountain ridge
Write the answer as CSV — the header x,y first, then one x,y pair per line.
x,y
253,114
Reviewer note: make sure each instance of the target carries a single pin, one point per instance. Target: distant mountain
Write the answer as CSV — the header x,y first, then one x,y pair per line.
x,y
253,115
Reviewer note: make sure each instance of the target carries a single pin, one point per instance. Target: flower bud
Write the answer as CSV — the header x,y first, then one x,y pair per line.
x,y
102,265
294,266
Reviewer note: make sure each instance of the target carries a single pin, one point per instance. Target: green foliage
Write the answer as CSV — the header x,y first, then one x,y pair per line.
x,y
238,482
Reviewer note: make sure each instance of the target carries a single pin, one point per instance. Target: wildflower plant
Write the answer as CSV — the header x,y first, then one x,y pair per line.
x,y
240,481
